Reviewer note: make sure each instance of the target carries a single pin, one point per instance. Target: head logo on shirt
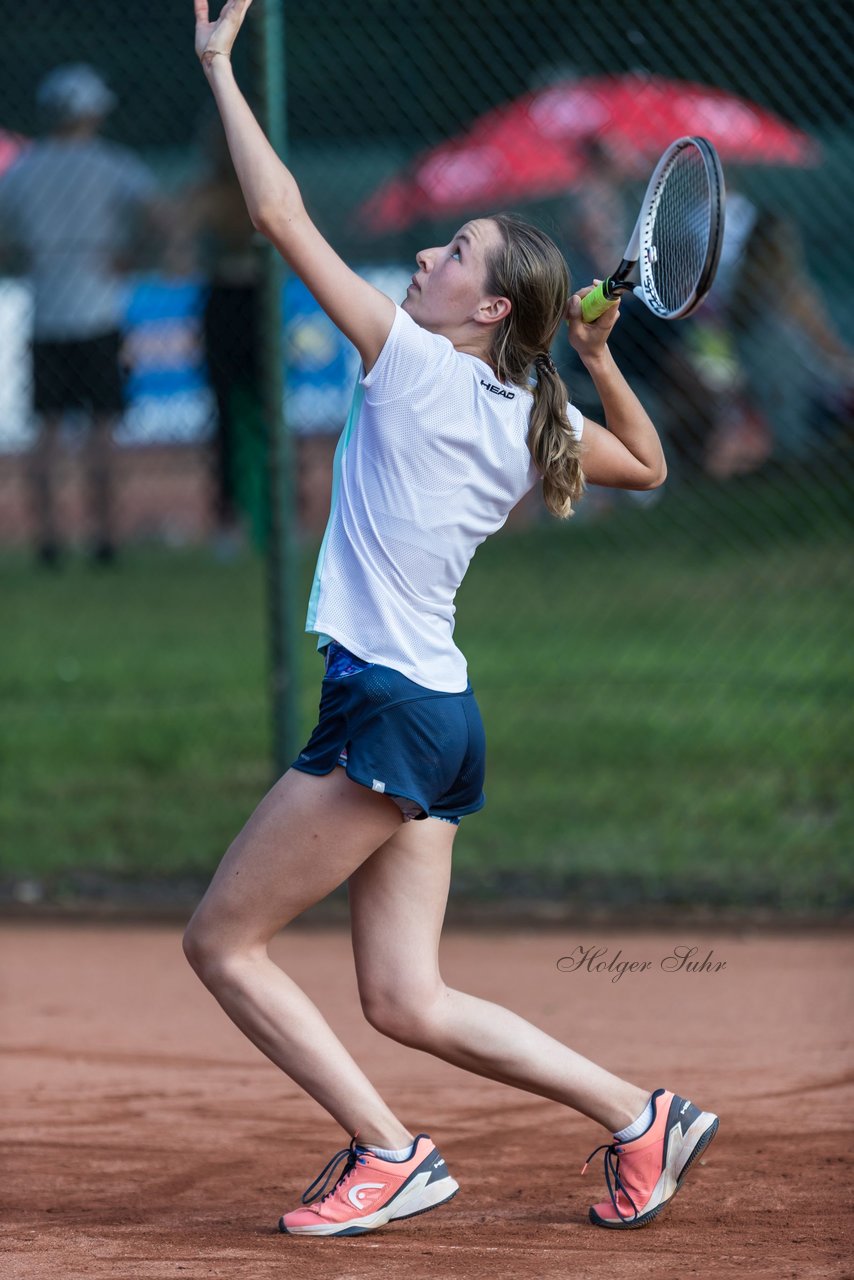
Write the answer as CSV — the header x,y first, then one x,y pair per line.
x,y
498,391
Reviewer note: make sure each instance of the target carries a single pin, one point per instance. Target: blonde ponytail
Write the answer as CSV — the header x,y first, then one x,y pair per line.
x,y
554,448
531,272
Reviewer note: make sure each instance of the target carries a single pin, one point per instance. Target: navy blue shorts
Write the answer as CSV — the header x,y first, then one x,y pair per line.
x,y
424,749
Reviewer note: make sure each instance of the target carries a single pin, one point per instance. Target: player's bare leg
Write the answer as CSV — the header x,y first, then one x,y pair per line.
x,y
397,905
304,839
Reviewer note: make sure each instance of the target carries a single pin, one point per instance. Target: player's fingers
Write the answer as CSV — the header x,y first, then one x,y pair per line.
x,y
201,9
238,8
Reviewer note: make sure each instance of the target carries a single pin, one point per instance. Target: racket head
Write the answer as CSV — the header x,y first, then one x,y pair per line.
x,y
680,229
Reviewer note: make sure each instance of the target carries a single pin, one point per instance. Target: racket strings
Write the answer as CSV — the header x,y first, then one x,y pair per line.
x,y
677,235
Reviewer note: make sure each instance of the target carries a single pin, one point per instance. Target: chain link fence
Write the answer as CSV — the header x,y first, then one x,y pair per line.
x,y
665,678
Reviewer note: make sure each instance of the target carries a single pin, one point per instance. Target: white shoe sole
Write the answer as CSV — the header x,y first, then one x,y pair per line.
x,y
416,1197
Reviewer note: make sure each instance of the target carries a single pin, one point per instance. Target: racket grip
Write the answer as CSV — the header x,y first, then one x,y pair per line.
x,y
594,304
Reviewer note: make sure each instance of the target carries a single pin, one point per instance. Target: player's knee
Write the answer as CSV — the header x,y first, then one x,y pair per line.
x,y
202,948
193,943
408,1015
218,950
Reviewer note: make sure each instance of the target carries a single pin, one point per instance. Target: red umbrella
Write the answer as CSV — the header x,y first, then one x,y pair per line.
x,y
466,173
535,146
644,113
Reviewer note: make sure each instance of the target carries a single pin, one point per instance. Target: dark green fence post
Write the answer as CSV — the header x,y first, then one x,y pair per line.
x,y
281,547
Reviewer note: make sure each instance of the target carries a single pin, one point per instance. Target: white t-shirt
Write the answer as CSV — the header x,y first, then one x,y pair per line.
x,y
432,459
70,204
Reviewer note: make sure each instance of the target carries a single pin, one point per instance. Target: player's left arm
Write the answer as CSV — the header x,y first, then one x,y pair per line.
x,y
628,455
274,201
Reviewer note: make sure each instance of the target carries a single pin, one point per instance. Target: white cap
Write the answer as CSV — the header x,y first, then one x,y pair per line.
x,y
75,92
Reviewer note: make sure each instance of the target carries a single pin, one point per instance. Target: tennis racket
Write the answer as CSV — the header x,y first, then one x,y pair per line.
x,y
676,243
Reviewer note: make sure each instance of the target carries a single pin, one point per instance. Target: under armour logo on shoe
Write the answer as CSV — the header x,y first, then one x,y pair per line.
x,y
684,1108
436,1163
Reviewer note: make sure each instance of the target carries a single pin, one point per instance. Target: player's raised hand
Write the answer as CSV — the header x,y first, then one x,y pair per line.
x,y
589,339
214,38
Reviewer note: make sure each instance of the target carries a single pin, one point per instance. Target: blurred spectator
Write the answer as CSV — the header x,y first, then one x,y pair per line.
x,y
599,220
73,211
789,352
791,362
741,214
213,234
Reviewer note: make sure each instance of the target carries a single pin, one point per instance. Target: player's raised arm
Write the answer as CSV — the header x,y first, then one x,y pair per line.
x,y
628,455
274,201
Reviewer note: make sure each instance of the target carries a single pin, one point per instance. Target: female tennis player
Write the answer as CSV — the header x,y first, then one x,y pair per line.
x,y
458,412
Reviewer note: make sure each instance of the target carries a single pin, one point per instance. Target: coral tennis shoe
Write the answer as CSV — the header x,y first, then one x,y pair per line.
x,y
371,1191
648,1171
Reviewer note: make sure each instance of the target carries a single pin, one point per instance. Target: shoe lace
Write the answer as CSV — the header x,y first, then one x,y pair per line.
x,y
613,1151
352,1157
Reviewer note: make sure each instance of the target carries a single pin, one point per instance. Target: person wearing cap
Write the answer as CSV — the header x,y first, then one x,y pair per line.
x,y
71,207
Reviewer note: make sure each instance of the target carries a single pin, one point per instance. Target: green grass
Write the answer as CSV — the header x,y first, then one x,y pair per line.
x,y
666,694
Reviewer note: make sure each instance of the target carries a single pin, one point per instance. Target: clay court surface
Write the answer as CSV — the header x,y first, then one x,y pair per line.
x,y
145,1137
